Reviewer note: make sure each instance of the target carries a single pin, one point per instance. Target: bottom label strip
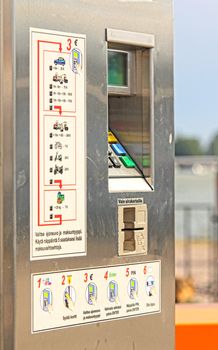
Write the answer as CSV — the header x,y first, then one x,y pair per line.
x,y
72,298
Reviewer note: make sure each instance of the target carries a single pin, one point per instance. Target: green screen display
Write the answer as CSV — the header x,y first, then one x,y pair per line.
x,y
132,284
75,54
90,289
46,295
112,286
117,68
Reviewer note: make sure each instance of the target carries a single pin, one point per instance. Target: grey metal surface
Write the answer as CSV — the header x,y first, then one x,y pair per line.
x,y
7,178
91,18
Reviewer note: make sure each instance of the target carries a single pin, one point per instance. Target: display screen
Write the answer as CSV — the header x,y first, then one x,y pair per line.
x,y
132,283
45,294
90,289
76,54
112,286
117,68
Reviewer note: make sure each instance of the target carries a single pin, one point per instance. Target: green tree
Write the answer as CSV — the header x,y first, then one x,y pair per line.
x,y
213,146
186,146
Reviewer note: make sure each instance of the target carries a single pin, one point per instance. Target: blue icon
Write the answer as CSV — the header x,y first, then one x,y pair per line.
x,y
118,149
60,60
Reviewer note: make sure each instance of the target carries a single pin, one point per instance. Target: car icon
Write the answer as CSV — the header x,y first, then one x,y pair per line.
x,y
60,60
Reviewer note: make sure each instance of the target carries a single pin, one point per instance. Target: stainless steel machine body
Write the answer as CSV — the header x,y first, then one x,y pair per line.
x,y
91,18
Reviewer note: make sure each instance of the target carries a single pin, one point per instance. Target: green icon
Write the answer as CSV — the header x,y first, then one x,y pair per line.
x,y
127,161
60,198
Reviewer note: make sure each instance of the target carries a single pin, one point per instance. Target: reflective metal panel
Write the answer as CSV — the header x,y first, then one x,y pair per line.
x,y
91,18
7,177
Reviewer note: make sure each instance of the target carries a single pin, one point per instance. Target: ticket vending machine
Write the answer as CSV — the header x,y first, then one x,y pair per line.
x,y
86,175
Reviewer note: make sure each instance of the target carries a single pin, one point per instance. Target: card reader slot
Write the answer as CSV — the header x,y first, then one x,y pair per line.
x,y
133,228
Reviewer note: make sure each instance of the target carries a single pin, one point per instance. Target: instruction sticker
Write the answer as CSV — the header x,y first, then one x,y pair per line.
x,y
57,144
129,201
72,298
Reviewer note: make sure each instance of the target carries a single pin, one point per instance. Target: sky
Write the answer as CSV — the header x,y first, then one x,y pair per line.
x,y
196,68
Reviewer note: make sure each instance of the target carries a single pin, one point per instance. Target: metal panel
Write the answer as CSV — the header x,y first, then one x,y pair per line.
x,y
130,38
7,179
91,18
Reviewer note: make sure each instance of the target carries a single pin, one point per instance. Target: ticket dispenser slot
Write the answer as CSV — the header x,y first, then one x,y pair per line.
x,y
130,111
132,229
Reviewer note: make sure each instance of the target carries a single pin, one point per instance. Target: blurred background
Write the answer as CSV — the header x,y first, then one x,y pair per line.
x,y
196,169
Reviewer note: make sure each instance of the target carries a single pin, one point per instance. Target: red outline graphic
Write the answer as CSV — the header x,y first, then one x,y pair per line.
x,y
59,183
59,108
73,154
60,216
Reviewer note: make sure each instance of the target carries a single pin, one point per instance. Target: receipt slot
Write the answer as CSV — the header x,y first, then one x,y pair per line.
x,y
86,175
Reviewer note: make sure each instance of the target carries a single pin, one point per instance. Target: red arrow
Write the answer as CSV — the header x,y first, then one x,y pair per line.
x,y
58,182
59,108
51,42
59,217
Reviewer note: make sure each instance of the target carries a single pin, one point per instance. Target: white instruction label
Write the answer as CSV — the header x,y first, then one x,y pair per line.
x,y
57,142
130,201
72,298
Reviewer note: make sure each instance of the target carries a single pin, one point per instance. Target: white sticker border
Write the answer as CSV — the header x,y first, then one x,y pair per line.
x,y
102,320
83,36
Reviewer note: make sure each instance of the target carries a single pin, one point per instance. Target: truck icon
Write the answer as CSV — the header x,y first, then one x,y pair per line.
x,y
60,126
60,78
